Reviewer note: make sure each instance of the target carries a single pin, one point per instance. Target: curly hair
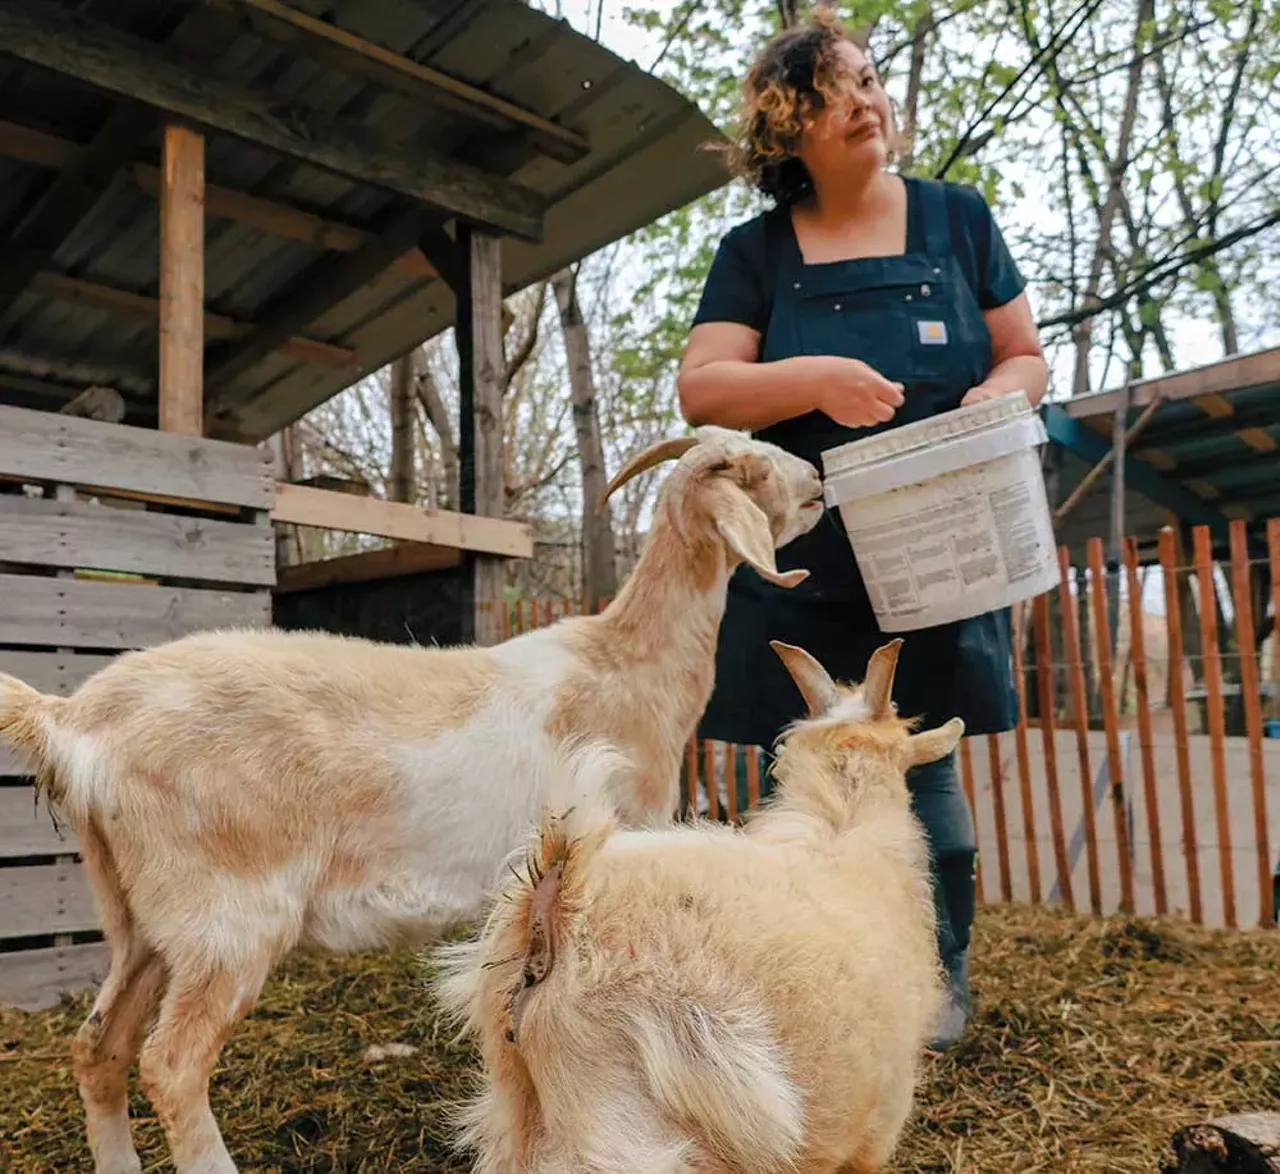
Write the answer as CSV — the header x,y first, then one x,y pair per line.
x,y
797,73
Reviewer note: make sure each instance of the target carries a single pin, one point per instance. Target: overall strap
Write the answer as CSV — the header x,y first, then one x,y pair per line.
x,y
936,216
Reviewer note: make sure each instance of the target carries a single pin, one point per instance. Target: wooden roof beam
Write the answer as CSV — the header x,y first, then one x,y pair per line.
x,y
30,246
353,54
216,326
95,53
320,288
270,216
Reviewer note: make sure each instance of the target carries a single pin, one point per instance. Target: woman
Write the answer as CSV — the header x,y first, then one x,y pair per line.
x,y
862,301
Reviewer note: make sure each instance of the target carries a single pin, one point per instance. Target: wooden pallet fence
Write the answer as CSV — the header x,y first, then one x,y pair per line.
x,y
1111,788
111,538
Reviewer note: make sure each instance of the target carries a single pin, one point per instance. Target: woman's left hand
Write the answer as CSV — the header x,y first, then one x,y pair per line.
x,y
981,393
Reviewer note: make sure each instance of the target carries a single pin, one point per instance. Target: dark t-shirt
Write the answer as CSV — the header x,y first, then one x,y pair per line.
x,y
739,285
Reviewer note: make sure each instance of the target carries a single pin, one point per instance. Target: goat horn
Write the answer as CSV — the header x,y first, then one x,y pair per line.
x,y
665,450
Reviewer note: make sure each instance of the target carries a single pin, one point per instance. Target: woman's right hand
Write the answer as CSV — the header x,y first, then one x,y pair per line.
x,y
852,393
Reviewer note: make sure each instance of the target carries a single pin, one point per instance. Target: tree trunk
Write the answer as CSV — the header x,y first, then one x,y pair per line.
x,y
599,564
438,414
1111,202
401,482
919,38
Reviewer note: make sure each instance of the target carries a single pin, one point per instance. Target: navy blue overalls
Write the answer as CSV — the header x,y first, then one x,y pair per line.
x,y
915,319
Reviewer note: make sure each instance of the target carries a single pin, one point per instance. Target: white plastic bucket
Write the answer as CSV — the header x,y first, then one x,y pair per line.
x,y
948,517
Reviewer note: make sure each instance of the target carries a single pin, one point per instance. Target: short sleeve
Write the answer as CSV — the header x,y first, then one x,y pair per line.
x,y
998,278
735,288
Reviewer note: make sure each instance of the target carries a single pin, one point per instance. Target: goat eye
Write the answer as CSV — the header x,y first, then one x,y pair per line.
x,y
718,467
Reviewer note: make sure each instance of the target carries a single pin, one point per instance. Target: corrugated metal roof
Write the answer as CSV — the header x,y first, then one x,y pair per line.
x,y
1209,452
643,162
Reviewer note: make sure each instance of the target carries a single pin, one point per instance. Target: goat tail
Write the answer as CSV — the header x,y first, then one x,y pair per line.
x,y
24,725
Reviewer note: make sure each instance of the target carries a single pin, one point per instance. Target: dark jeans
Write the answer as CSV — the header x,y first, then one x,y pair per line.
x,y
940,805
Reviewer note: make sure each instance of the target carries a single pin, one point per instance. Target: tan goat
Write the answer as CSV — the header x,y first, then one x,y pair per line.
x,y
706,999
236,794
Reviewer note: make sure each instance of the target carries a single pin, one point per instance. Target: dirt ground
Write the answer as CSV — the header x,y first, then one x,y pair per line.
x,y
1094,1040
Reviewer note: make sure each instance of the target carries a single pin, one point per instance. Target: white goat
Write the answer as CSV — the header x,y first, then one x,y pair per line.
x,y
707,999
235,794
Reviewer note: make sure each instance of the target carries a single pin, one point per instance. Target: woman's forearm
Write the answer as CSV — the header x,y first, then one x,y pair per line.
x,y
734,393
1027,373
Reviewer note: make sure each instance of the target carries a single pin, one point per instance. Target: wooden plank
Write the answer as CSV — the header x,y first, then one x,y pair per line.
x,y
350,53
1178,707
61,673
1225,375
1024,759
326,284
70,198
27,830
305,506
71,613
45,899
1044,681
966,781
216,326
93,52
270,216
1080,715
406,558
1002,826
48,446
1242,596
1208,609
1110,721
77,534
34,980
182,282
1138,655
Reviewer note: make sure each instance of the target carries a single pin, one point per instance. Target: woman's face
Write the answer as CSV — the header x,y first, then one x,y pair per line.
x,y
852,134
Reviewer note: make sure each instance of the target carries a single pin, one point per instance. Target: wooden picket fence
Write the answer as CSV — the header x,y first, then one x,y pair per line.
x,y
1112,793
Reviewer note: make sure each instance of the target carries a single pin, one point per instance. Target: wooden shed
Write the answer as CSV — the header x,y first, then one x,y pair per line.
x,y
215,215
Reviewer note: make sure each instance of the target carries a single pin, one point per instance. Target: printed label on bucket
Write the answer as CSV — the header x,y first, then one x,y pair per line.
x,y
958,546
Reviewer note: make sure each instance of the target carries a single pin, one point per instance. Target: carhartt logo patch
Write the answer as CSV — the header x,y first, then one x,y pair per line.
x,y
932,333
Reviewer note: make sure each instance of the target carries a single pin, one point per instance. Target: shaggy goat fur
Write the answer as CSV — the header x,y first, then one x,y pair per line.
x,y
708,999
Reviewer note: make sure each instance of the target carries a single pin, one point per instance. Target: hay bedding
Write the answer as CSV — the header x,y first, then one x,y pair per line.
x,y
1095,1041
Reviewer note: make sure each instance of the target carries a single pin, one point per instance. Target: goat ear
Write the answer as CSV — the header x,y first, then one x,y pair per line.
x,y
877,687
931,745
815,685
745,530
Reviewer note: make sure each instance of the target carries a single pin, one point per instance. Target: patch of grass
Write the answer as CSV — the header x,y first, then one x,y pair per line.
x,y
1093,1041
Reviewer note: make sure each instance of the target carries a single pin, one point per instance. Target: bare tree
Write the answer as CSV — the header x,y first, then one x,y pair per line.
x,y
437,412
600,574
400,484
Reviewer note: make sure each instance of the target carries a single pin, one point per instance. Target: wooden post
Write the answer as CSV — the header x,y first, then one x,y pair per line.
x,y
182,282
1178,708
401,486
1101,594
1002,826
1080,713
1024,759
1138,654
1252,712
1044,681
1217,727
966,781
481,364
